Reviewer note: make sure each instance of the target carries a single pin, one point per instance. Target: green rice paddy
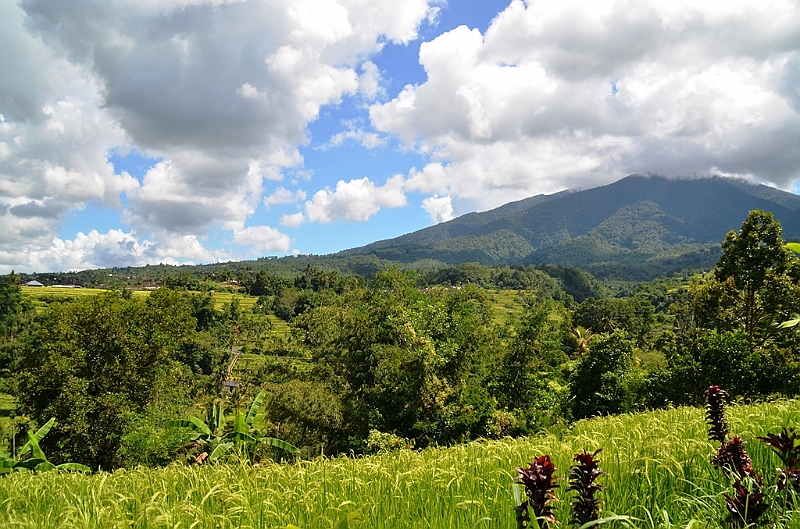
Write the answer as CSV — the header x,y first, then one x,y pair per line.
x,y
658,467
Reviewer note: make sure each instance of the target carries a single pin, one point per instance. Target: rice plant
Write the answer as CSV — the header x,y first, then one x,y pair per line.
x,y
659,476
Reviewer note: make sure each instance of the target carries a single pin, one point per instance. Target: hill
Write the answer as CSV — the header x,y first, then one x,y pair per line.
x,y
639,227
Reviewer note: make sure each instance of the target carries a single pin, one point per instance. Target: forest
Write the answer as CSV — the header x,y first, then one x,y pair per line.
x,y
324,362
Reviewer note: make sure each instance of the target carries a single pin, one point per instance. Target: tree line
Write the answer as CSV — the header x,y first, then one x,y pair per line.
x,y
402,358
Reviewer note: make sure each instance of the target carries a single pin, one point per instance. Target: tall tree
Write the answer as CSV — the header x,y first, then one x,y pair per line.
x,y
755,282
11,305
601,383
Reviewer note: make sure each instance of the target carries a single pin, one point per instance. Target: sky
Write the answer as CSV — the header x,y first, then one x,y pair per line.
x,y
196,131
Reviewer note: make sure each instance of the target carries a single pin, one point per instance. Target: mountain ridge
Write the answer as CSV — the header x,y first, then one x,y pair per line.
x,y
663,224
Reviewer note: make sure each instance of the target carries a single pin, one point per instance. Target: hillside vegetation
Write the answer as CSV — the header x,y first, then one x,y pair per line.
x,y
658,464
217,378
638,228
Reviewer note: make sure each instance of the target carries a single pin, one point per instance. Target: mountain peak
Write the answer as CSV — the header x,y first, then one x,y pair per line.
x,y
641,225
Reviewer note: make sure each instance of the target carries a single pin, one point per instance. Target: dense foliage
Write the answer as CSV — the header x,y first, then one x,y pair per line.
x,y
367,363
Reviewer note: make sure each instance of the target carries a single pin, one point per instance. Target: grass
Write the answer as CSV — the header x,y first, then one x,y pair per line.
x,y
8,404
506,303
658,465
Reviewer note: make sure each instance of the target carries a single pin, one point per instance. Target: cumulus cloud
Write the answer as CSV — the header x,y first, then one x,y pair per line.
x,y
115,248
357,134
220,91
293,220
356,201
439,208
281,195
263,239
575,94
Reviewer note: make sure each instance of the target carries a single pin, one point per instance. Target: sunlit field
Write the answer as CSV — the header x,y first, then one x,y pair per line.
x,y
658,464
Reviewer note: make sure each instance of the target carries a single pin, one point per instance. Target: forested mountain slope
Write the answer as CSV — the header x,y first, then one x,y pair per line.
x,y
637,228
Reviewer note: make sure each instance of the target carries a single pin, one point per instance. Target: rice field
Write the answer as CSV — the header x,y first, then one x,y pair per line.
x,y
658,466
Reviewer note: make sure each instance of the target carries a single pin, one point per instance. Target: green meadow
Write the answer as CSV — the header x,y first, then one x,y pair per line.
x,y
658,465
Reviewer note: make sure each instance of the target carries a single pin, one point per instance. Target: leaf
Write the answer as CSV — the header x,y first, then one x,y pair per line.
x,y
239,436
347,521
239,423
279,443
45,466
789,323
793,246
73,467
219,417
254,407
28,464
612,518
193,423
36,451
517,488
220,450
39,435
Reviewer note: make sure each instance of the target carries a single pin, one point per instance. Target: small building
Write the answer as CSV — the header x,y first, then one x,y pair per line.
x,y
33,283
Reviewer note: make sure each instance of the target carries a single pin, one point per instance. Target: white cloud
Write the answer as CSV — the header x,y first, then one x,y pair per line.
x,y
110,249
220,91
367,139
281,195
439,208
356,200
263,239
369,83
575,94
293,220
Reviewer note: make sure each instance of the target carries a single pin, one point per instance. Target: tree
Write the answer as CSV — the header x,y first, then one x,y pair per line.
x,y
404,361
602,380
13,307
529,374
633,315
755,284
95,364
725,359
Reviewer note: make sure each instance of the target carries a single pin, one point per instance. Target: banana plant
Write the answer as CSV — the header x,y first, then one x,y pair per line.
x,y
37,460
243,436
795,247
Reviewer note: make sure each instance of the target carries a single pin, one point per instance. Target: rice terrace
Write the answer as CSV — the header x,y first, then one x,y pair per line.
x,y
658,464
448,396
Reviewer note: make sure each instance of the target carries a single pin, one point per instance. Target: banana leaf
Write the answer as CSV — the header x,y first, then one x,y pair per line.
x,y
279,443
240,436
39,435
29,464
219,418
34,447
239,423
220,450
254,407
76,467
193,423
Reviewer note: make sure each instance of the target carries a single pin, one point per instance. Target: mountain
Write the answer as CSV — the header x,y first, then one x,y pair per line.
x,y
639,227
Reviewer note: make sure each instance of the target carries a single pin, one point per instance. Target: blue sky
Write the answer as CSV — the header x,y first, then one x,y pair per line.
x,y
188,131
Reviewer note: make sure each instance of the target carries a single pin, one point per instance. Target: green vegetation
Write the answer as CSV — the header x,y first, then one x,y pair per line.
x,y
322,370
658,464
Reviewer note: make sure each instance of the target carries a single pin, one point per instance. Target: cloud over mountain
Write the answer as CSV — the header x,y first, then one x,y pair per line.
x,y
575,94
221,96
